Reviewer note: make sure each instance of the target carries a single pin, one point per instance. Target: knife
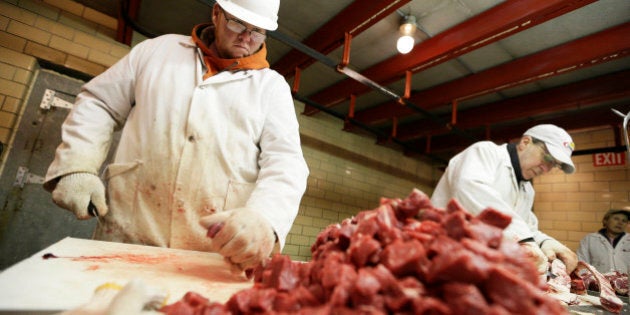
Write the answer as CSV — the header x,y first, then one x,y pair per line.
x,y
93,211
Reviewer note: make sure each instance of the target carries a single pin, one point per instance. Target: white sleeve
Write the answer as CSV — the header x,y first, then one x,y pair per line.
x,y
283,171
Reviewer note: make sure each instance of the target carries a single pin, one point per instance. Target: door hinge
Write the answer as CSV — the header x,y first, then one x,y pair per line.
x,y
24,177
50,100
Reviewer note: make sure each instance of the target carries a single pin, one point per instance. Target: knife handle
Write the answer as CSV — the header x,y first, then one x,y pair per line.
x,y
92,209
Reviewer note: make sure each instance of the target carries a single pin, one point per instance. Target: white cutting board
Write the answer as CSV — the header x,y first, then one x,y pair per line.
x,y
69,281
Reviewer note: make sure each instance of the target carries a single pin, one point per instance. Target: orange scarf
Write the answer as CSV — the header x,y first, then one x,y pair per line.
x,y
203,34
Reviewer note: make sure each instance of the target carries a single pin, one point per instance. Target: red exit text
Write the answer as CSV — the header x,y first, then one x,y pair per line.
x,y
609,158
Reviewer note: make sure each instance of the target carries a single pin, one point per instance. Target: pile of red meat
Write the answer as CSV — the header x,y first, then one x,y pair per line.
x,y
404,257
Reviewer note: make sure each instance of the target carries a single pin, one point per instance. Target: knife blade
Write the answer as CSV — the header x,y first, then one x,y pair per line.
x,y
94,212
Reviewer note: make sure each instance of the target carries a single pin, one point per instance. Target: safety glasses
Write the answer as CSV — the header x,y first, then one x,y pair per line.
x,y
238,27
546,156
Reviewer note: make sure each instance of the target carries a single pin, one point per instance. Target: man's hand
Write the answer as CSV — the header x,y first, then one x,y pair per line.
x,y
554,249
537,256
75,191
242,236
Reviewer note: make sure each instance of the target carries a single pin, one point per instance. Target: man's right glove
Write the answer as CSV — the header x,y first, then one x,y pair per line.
x,y
242,236
554,249
537,256
75,191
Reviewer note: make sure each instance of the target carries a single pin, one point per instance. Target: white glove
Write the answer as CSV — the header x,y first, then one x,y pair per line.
x,y
242,236
112,299
137,298
75,191
554,249
537,256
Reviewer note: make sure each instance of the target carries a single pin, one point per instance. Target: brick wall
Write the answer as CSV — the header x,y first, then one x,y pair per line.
x,y
571,206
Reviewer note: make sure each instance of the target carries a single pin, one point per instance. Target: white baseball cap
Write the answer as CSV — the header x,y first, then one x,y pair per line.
x,y
261,13
558,142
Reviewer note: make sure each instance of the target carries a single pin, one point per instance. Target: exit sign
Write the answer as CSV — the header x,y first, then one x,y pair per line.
x,y
609,158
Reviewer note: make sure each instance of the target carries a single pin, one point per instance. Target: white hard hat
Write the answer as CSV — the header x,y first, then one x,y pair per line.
x,y
261,13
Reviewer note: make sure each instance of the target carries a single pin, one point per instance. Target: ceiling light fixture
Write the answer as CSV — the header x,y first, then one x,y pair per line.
x,y
406,41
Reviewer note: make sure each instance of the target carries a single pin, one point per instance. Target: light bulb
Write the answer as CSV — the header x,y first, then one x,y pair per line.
x,y
404,44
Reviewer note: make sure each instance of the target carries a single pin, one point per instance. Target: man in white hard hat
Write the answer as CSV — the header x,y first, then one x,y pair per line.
x,y
209,157
499,176
609,248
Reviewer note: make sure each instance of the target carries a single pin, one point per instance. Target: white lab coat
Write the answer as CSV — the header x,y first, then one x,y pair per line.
x,y
597,251
188,148
482,176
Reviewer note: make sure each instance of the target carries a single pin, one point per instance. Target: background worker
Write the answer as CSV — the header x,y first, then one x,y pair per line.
x,y
609,248
499,176
209,141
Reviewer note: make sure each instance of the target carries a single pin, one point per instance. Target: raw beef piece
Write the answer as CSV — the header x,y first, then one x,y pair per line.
x,y
619,281
607,296
588,279
578,287
403,257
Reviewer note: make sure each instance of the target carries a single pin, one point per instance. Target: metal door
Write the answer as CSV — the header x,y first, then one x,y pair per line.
x,y
29,220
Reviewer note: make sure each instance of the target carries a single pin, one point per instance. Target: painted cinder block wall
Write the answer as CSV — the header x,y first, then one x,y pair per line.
x,y
349,173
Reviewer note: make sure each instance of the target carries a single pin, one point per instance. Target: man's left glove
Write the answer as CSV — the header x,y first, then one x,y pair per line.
x,y
554,249
75,192
242,236
536,255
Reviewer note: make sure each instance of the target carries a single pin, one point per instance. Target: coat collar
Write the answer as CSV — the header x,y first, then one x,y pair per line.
x,y
516,165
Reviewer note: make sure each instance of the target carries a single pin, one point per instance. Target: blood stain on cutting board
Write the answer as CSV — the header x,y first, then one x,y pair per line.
x,y
126,258
130,258
167,264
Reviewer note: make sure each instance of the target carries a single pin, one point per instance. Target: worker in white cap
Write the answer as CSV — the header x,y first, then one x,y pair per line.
x,y
499,176
608,249
209,157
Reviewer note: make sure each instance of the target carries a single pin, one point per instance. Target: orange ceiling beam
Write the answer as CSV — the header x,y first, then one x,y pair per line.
x,y
124,31
584,119
576,95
